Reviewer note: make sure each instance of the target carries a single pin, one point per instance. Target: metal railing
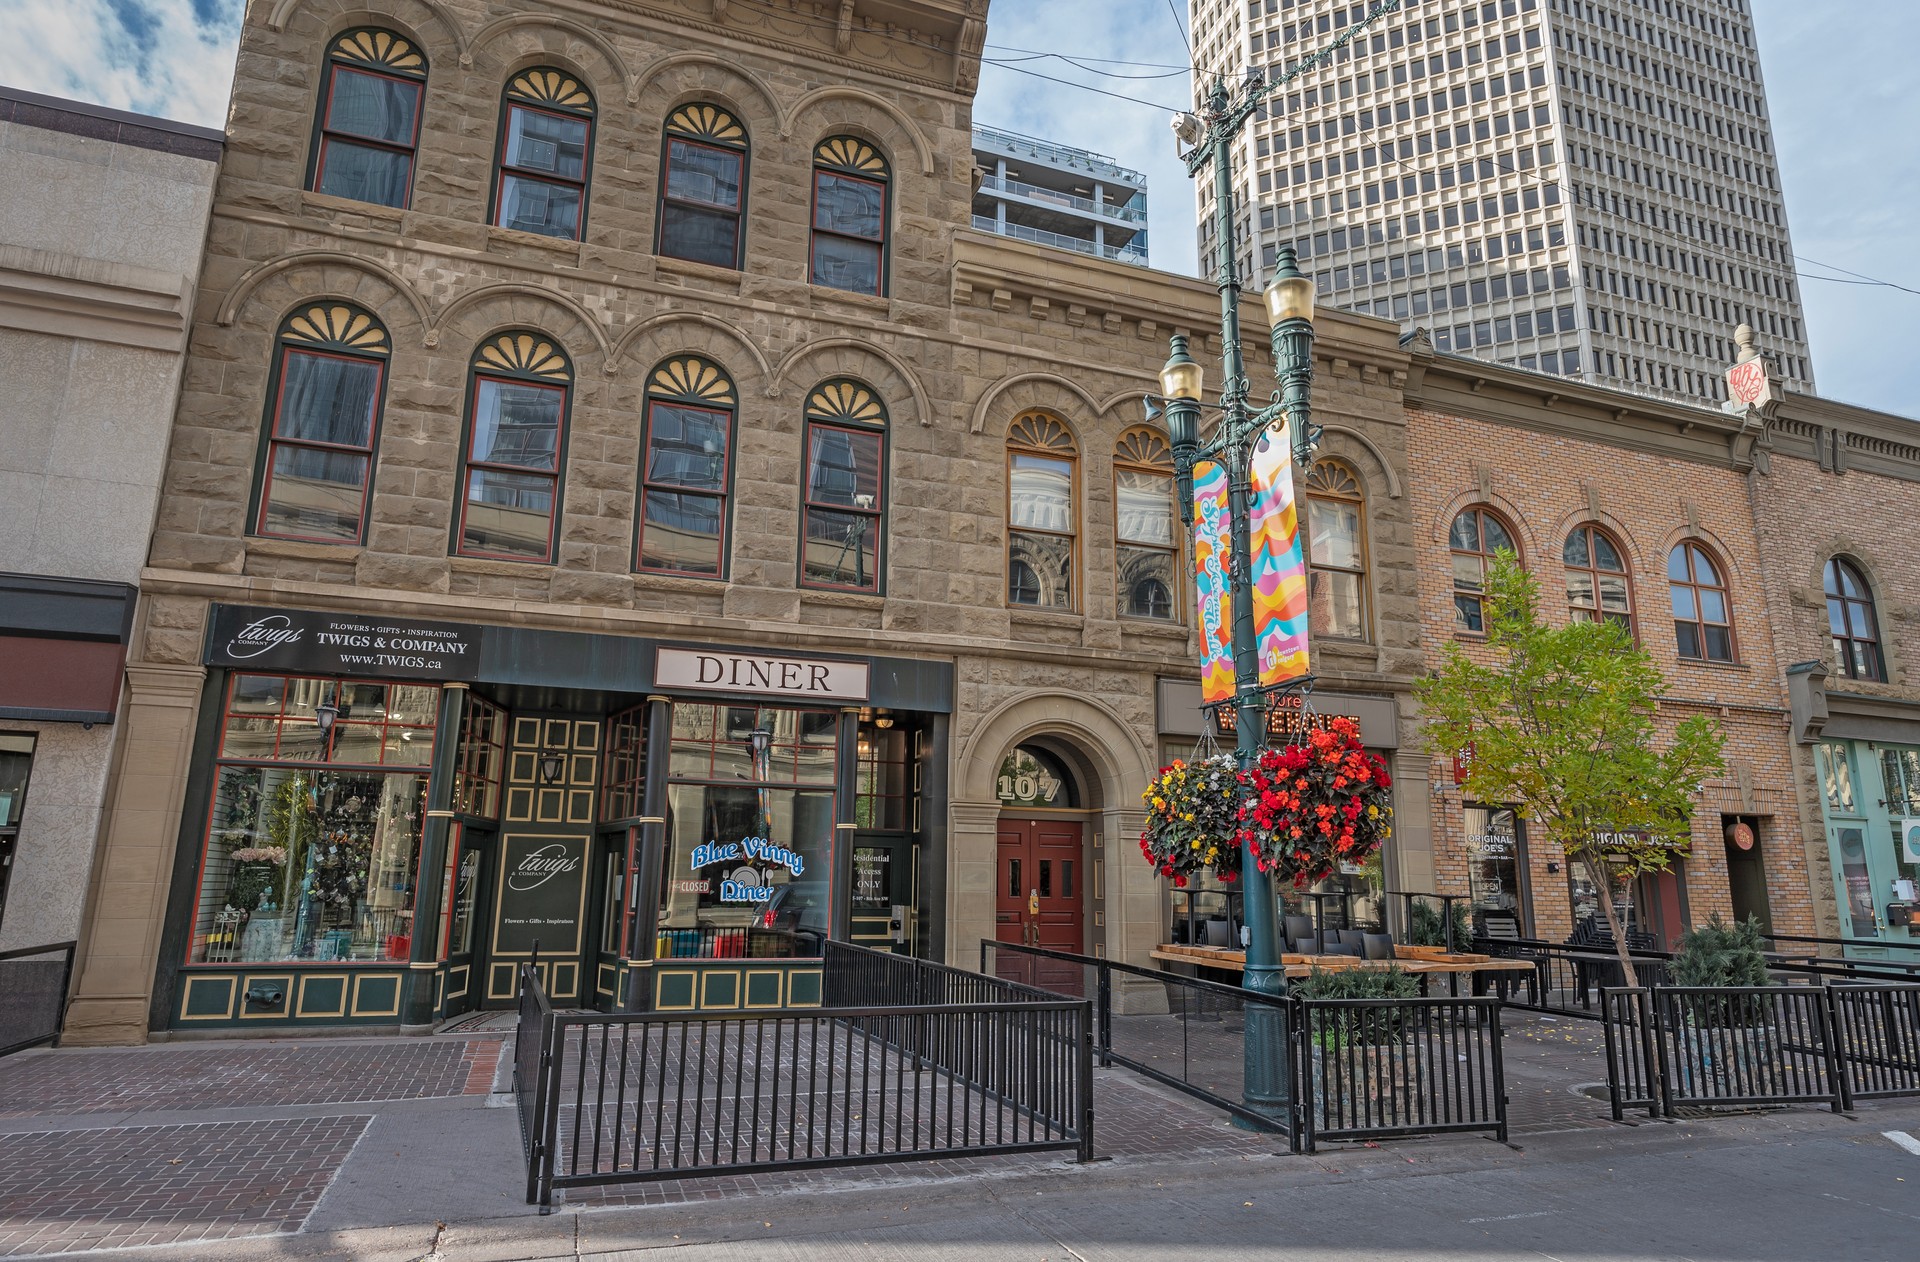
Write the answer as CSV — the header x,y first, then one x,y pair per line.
x,y
1123,254
1110,210
709,942
33,995
1675,1047
1065,155
1361,1068
985,1068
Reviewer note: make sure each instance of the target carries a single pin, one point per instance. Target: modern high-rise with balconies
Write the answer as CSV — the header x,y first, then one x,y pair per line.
x,y
1058,195
1576,187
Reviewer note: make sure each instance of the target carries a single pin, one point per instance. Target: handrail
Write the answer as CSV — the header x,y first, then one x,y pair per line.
x,y
1112,210
1123,254
1063,153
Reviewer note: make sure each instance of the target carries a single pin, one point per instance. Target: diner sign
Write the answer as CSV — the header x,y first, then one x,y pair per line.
x,y
721,670
306,641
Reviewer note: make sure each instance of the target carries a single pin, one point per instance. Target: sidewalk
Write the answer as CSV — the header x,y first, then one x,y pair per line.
x,y
354,1147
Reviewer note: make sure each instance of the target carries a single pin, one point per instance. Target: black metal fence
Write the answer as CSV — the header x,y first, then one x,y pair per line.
x,y
1677,1047
1359,1068
983,1068
33,995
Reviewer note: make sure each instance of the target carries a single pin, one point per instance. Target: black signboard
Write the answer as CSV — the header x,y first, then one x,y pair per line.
x,y
541,882
305,641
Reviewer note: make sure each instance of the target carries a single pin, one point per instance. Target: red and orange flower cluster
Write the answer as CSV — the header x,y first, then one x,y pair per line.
x,y
1309,808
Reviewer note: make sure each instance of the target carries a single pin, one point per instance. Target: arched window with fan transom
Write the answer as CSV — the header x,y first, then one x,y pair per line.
x,y
516,448
1042,523
703,186
851,182
843,534
545,154
686,472
322,426
367,128
1146,527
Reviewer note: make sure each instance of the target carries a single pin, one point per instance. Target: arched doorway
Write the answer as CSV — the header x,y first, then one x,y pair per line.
x,y
1040,868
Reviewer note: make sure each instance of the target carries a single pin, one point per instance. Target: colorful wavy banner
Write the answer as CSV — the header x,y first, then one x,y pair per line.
x,y
1279,565
1212,542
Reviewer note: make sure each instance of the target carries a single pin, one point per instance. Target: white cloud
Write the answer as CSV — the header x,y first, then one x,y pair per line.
x,y
171,58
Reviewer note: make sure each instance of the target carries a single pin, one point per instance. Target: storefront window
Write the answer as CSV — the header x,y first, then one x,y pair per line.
x,y
482,760
1836,775
466,886
313,839
884,781
1584,896
1496,860
1901,769
626,764
749,843
16,765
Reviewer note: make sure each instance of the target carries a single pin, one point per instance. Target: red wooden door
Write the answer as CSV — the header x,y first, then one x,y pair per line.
x,y
1040,879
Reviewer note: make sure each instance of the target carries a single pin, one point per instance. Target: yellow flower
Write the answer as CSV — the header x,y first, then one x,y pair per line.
x,y
1373,812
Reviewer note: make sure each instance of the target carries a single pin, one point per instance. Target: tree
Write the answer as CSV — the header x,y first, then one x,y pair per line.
x,y
1560,723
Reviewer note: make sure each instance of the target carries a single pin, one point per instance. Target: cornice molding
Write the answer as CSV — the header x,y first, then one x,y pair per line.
x,y
66,295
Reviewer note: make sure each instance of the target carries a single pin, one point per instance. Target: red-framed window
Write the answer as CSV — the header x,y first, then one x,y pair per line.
x,y
367,128
703,186
322,425
686,470
515,449
1702,613
623,796
844,524
1853,623
545,158
850,208
480,765
1476,535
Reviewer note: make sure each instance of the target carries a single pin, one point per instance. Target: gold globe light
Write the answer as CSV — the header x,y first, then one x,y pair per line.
x,y
1289,294
1181,378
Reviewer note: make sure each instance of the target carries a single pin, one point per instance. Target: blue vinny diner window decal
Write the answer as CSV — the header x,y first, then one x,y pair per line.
x,y
750,831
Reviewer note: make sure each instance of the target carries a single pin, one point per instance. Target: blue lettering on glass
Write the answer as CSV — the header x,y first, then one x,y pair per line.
x,y
741,892
754,849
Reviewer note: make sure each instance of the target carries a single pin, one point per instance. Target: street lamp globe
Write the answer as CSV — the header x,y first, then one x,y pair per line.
x,y
1182,378
1289,293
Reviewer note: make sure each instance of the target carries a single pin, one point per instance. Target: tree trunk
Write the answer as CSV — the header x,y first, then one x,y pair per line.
x,y
1602,879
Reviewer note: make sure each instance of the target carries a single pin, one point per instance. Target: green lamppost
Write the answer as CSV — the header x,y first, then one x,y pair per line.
x,y
1209,136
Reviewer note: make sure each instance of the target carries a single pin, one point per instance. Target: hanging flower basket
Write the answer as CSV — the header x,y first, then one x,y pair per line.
x,y
1313,806
1193,819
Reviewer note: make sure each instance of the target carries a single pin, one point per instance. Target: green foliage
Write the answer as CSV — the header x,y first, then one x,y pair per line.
x,y
1425,927
1357,983
1720,954
1559,721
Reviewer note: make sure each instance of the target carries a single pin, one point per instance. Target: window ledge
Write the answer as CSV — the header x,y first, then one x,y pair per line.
x,y
498,236
1703,663
678,583
845,600
491,565
300,549
1153,627
877,303
327,203
1356,650
667,265
1018,614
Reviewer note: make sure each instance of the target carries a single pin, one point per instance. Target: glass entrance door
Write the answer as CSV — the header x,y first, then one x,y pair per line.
x,y
1860,841
464,947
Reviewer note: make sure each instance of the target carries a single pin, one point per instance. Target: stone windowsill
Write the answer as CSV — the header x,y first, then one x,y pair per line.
x,y
302,550
498,237
1701,663
874,305
490,565
666,266
1021,616
677,583
843,600
336,207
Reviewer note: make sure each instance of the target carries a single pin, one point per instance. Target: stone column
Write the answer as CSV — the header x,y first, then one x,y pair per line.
x,y
120,942
973,840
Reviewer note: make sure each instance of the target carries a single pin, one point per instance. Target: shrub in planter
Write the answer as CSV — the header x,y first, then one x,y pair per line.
x,y
1721,1035
1193,811
1425,927
1363,1064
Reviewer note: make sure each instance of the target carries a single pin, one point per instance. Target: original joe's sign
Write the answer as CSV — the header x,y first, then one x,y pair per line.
x,y
304,641
718,670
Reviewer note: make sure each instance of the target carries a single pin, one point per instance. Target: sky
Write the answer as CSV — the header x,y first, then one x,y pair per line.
x,y
1842,85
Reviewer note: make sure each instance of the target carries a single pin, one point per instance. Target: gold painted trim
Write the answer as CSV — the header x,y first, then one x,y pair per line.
x,y
846,826
455,685
186,994
300,1008
655,696
443,814
355,1010
419,965
653,819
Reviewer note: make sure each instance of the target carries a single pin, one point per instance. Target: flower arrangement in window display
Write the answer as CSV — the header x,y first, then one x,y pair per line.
x,y
1193,819
1313,806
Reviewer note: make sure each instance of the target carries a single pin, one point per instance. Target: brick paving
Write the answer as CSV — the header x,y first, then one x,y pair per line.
x,y
114,1187
258,1075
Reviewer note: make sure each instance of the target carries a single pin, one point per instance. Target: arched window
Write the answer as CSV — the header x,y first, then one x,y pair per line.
x,y
687,470
322,425
1702,624
703,187
1041,455
1850,617
1476,535
850,182
516,446
1597,585
546,152
1146,538
368,124
843,537
1336,551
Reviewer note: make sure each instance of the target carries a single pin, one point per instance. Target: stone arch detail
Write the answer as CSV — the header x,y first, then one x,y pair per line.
x,y
283,12
1132,394
638,332
1047,390
915,137
1360,440
653,71
911,380
615,63
461,302
1738,580
1105,743
260,273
